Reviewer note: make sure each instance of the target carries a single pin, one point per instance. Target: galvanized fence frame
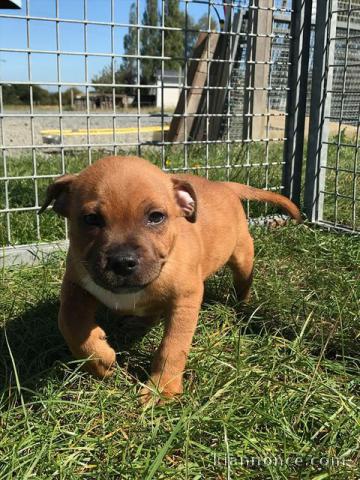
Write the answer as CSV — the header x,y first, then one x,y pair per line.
x,y
331,195
325,28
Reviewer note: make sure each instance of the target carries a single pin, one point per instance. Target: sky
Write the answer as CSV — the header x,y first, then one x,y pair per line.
x,y
14,66
13,34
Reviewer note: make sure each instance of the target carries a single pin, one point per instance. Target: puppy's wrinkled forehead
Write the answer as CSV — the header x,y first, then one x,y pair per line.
x,y
121,188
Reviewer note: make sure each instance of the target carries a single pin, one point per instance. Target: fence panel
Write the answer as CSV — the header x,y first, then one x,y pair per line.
x,y
78,83
333,173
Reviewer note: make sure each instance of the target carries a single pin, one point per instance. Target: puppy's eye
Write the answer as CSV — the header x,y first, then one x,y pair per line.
x,y
154,218
93,219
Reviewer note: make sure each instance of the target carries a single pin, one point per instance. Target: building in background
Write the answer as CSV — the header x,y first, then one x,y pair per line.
x,y
168,88
345,101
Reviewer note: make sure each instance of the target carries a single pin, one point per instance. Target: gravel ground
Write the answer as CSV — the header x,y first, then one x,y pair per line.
x,y
17,131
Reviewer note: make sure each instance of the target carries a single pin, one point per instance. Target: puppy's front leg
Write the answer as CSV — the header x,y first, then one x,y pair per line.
x,y
83,336
170,359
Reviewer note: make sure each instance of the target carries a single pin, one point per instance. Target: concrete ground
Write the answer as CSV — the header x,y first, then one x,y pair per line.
x,y
22,130
100,128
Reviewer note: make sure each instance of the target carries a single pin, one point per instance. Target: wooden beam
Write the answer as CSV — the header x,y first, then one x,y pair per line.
x,y
181,128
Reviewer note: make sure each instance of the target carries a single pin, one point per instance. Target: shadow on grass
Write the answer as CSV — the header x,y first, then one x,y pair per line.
x,y
30,344
323,335
32,347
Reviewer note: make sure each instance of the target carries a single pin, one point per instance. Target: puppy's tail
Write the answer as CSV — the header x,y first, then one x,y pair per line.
x,y
245,192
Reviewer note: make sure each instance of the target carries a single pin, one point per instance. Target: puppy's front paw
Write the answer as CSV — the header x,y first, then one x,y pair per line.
x,y
157,391
101,368
102,361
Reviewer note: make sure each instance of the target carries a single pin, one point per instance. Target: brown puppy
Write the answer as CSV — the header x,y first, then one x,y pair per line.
x,y
142,242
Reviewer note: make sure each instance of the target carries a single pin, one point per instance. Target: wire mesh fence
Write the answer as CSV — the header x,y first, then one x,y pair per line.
x,y
117,85
207,86
333,177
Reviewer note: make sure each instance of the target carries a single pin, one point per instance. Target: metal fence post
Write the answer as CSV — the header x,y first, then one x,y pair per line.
x,y
296,99
324,50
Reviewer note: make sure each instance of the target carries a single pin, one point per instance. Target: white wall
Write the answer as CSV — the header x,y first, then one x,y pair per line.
x,y
171,95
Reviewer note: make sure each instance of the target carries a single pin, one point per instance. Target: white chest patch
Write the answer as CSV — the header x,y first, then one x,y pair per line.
x,y
127,302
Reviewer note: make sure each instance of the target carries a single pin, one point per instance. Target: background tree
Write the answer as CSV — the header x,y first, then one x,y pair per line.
x,y
203,23
150,45
175,39
20,95
70,95
150,42
123,75
131,46
126,72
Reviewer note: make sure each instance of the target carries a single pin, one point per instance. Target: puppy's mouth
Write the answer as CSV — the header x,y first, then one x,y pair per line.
x,y
117,285
124,285
125,288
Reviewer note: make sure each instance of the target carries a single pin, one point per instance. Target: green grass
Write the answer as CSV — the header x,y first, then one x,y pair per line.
x,y
345,180
275,382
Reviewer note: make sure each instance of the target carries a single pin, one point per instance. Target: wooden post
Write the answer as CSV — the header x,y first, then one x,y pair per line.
x,y
181,129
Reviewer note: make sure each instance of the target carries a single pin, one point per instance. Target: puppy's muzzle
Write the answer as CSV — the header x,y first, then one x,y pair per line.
x,y
123,262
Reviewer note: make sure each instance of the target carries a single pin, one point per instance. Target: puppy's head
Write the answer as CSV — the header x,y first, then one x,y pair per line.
x,y
124,215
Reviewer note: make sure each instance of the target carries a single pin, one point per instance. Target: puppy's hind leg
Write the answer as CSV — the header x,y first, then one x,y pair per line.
x,y
241,263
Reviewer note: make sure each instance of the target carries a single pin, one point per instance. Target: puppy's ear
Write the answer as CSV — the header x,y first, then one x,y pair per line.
x,y
185,198
60,192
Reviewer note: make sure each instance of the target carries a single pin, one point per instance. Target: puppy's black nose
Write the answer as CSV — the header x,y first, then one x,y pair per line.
x,y
123,264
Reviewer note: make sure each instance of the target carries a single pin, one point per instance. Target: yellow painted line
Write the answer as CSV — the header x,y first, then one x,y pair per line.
x,y
104,131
